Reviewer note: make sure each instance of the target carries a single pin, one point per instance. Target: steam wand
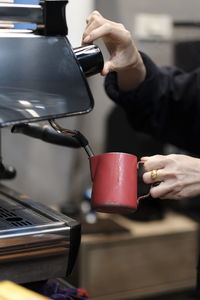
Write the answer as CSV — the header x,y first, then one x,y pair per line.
x,y
75,134
6,172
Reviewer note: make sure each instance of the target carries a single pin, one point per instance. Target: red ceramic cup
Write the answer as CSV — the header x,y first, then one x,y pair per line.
x,y
115,182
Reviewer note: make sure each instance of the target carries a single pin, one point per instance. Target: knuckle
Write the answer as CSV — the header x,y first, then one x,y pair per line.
x,y
168,174
127,34
108,27
145,166
158,156
178,187
121,26
96,13
85,34
175,156
172,158
154,193
94,16
171,155
180,196
145,178
125,31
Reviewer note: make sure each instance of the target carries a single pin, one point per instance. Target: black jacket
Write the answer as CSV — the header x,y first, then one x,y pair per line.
x,y
166,105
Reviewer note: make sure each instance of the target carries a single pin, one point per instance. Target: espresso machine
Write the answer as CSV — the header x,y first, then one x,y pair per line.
x,y
42,78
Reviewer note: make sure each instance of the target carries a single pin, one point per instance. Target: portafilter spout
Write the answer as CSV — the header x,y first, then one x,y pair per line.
x,y
75,134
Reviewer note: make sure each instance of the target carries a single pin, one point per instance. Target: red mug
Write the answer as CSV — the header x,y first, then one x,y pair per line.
x,y
115,182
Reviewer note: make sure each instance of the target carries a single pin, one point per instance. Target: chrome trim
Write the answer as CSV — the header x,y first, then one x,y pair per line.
x,y
21,13
17,33
32,233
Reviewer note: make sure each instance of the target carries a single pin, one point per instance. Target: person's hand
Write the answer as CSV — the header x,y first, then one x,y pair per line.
x,y
172,176
123,54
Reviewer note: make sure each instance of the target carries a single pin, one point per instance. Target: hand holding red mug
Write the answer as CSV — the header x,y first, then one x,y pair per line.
x,y
178,176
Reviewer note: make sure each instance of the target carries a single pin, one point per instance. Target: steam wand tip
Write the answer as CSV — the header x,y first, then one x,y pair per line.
x,y
76,134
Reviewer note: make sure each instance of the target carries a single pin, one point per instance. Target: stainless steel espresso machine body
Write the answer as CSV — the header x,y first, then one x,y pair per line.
x,y
36,243
42,78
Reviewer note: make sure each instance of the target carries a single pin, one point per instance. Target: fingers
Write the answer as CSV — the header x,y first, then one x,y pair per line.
x,y
104,30
166,190
86,34
164,177
99,27
89,28
154,162
161,191
156,169
94,21
177,175
147,176
97,32
93,16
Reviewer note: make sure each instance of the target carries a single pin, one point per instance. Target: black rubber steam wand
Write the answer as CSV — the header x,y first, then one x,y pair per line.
x,y
6,172
75,134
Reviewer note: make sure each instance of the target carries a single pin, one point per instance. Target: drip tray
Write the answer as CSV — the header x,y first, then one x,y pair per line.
x,y
15,215
36,243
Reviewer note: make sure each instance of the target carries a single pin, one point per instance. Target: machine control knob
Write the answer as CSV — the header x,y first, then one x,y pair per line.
x,y
90,59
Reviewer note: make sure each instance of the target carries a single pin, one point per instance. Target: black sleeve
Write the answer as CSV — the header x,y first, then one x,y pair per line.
x,y
166,105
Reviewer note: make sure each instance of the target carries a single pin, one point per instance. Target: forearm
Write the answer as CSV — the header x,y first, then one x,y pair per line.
x,y
153,107
131,78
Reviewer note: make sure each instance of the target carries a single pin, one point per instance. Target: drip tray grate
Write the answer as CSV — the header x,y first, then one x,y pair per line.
x,y
10,219
14,214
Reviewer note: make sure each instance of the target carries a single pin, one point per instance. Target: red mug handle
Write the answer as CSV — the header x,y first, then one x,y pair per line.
x,y
146,195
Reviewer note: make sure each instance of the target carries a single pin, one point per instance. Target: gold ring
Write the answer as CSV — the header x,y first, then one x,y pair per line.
x,y
154,174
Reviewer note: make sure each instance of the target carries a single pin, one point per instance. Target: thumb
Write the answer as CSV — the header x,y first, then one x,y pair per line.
x,y
108,67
